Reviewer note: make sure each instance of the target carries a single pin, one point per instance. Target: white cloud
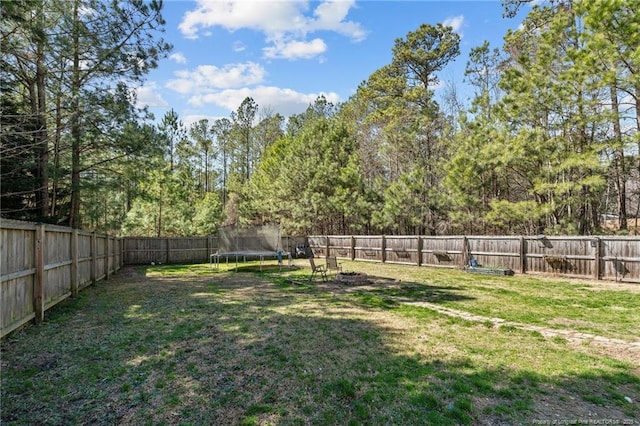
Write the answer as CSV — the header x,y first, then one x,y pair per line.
x,y
178,57
295,49
455,22
209,77
330,15
267,16
284,101
282,22
148,95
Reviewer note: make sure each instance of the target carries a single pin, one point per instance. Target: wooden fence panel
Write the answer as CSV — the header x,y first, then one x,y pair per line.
x,y
57,265
17,271
188,250
567,256
84,259
440,251
368,248
144,251
340,246
318,245
119,254
498,252
101,254
620,259
402,249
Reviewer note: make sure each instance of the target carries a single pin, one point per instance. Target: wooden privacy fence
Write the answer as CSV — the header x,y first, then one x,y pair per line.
x,y
592,257
144,251
41,265
147,250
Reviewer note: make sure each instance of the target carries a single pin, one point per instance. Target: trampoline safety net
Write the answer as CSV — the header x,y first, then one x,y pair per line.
x,y
255,239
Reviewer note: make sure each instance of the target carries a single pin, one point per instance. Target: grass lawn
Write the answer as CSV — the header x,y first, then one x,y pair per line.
x,y
187,345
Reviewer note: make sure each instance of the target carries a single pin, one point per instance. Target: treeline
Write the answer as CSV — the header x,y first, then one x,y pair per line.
x,y
71,136
548,144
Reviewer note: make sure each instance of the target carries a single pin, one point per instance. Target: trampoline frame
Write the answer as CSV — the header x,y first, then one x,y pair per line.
x,y
214,258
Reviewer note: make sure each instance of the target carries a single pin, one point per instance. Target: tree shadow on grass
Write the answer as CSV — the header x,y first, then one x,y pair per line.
x,y
400,290
222,351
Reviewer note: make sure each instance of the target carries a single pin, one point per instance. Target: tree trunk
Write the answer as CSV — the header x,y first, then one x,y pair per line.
x,y
224,180
206,171
42,137
159,233
56,157
618,161
74,217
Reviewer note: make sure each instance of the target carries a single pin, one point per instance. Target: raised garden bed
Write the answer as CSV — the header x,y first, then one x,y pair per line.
x,y
488,271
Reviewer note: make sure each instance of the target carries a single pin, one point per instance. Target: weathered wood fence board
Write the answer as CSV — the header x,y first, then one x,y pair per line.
x,y
500,252
572,256
402,249
369,248
593,257
318,245
445,251
340,246
620,258
41,265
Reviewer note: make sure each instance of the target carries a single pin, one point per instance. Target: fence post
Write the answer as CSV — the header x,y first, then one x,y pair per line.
x,y
94,258
168,251
74,263
466,252
121,247
597,274
117,249
523,255
327,249
38,290
353,248
419,245
383,243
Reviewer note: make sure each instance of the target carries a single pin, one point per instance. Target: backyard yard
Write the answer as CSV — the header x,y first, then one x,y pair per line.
x,y
191,345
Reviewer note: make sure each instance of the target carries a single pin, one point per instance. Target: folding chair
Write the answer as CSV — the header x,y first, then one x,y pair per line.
x,y
333,265
317,269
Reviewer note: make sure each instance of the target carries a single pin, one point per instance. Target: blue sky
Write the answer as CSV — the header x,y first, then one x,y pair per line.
x,y
285,53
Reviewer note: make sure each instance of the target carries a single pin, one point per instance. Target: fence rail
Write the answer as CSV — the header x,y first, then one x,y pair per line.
x,y
42,265
592,257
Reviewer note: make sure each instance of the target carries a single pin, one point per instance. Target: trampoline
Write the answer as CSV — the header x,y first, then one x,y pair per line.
x,y
247,243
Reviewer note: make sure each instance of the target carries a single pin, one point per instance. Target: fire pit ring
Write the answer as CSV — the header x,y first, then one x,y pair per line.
x,y
351,278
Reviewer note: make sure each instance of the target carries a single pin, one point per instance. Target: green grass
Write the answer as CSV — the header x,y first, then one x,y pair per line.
x,y
554,303
184,344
